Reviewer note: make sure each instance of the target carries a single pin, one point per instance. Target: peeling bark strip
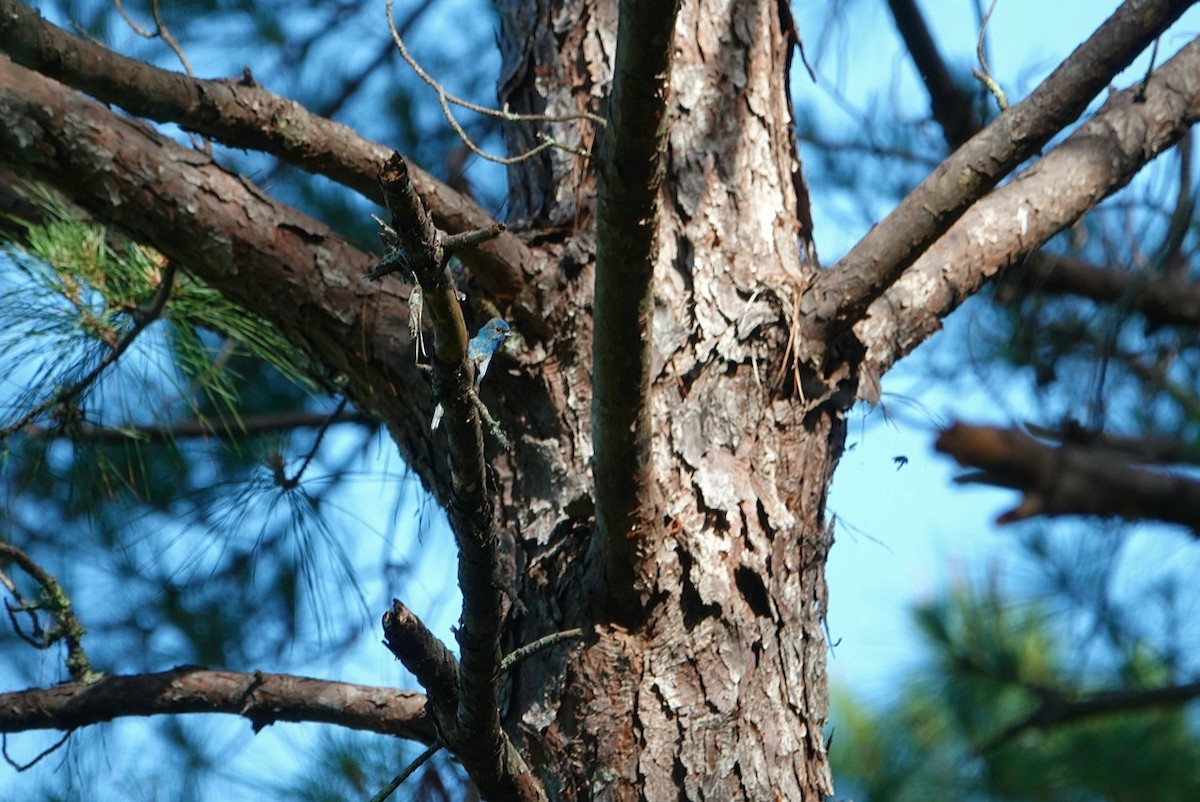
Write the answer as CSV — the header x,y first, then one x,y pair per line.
x,y
261,698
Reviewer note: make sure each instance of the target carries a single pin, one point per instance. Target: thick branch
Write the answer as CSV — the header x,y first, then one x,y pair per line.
x,y
1158,450
267,257
1070,480
841,296
1162,301
1096,160
239,113
263,699
950,103
629,176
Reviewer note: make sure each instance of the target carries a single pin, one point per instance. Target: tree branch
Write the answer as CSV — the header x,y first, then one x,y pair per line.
x,y
262,699
630,174
263,255
1095,161
407,637
950,103
1069,479
241,114
1055,711
473,734
55,601
842,295
217,428
1161,300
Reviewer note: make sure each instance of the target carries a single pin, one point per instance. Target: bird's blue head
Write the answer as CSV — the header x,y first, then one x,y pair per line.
x,y
489,338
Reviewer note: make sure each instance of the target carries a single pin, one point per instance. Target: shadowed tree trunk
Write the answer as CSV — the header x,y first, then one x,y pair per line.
x,y
675,399
713,688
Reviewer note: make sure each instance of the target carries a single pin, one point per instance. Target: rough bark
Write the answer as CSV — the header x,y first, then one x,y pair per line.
x,y
716,689
719,691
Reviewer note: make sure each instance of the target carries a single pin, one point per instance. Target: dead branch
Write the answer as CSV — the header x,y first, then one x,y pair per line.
x,y
1070,479
473,734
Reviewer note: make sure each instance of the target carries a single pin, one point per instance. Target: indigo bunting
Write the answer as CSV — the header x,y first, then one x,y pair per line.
x,y
480,350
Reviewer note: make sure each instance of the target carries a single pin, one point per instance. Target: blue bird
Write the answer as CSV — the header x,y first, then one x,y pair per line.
x,y
484,344
480,350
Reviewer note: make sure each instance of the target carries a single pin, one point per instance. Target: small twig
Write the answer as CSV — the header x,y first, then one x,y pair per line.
x,y
27,766
472,239
58,604
445,99
475,107
22,606
545,642
399,779
290,483
141,320
984,73
161,31
492,424
220,428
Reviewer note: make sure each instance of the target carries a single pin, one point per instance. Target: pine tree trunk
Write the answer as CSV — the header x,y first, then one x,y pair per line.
x,y
717,691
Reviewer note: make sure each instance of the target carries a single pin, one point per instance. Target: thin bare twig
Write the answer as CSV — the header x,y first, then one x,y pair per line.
x,y
161,31
445,100
545,642
984,73
399,779
27,766
218,428
291,482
